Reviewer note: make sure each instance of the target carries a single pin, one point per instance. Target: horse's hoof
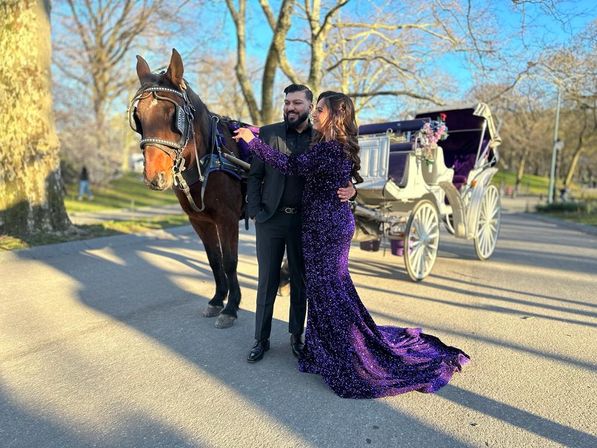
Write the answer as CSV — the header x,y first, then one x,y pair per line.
x,y
211,311
225,321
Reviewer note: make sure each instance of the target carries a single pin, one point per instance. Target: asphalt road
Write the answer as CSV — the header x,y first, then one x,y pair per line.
x,y
102,344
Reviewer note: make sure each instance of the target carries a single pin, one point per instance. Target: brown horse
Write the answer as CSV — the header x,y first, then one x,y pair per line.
x,y
182,144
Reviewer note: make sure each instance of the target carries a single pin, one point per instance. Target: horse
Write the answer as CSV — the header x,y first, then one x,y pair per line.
x,y
184,145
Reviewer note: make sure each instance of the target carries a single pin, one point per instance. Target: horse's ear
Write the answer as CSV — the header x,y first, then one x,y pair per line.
x,y
175,70
143,70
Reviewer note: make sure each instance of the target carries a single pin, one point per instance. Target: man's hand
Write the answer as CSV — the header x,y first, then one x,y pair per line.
x,y
346,193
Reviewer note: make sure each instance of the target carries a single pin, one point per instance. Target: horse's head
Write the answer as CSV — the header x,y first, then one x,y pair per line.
x,y
162,113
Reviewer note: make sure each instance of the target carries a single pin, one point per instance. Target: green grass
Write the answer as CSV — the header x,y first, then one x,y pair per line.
x,y
530,184
538,185
83,232
129,191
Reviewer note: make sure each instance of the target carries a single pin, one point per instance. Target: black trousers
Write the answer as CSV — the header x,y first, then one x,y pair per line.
x,y
281,231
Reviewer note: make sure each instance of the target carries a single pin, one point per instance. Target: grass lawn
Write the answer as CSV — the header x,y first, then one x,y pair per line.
x,y
84,232
533,185
129,191
538,185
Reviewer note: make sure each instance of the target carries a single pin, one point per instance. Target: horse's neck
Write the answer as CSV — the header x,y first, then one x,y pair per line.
x,y
202,126
202,123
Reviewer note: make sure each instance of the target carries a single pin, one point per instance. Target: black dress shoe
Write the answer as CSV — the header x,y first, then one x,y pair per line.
x,y
297,346
258,350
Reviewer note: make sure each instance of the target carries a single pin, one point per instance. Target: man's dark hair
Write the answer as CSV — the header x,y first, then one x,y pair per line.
x,y
299,88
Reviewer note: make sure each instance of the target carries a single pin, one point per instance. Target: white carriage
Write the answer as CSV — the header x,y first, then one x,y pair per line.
x,y
410,185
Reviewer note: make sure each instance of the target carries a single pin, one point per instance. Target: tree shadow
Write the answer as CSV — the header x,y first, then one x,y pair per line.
x,y
517,417
22,428
139,294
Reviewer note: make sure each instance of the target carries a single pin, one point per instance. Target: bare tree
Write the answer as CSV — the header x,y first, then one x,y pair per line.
x,y
574,70
31,190
92,50
378,55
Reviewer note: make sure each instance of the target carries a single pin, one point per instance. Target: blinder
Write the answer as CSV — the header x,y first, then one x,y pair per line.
x,y
180,121
183,117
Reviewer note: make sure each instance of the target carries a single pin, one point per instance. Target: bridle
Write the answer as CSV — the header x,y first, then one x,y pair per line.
x,y
183,120
183,124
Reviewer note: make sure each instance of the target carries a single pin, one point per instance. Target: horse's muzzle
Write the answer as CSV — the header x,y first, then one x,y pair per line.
x,y
159,182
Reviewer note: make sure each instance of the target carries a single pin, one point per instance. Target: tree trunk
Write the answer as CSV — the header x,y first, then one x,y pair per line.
x,y
577,152
31,187
520,171
573,164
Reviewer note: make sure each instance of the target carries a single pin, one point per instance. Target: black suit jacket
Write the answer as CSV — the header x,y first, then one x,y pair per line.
x,y
265,184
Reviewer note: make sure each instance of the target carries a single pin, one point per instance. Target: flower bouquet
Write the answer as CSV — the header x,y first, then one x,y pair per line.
x,y
432,132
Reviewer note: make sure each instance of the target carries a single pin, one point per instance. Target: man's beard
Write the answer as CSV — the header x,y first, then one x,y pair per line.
x,y
296,123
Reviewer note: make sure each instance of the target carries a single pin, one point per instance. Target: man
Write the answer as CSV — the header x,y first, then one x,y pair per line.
x,y
274,201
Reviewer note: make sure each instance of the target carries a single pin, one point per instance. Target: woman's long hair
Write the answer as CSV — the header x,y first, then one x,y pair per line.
x,y
341,125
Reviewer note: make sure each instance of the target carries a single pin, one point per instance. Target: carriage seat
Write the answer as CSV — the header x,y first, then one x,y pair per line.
x,y
398,163
463,165
439,171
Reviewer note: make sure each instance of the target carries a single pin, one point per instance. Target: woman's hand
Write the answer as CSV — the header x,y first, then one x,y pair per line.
x,y
243,133
346,193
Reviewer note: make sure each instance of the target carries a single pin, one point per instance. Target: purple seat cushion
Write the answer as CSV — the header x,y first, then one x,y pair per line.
x,y
398,163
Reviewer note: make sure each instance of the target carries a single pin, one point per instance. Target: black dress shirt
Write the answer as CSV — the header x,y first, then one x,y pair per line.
x,y
297,143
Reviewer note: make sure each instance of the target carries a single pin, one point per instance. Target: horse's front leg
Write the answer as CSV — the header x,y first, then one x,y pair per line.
x,y
208,232
229,227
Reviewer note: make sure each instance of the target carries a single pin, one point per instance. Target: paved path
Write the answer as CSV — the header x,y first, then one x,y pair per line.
x,y
80,218
102,344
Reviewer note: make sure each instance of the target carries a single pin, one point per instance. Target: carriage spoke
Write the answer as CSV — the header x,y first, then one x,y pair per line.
x,y
488,223
422,240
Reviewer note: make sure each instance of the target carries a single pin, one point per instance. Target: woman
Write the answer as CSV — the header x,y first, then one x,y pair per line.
x,y
354,356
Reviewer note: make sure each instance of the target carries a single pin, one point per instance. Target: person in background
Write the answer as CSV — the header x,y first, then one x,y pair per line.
x,y
84,187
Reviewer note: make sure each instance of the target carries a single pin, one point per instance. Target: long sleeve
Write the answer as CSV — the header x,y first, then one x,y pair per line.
x,y
254,186
321,158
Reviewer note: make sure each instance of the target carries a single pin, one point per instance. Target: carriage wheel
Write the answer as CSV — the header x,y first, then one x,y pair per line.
x,y
488,226
421,240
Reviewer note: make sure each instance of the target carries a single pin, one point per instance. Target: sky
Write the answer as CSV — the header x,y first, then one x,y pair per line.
x,y
542,26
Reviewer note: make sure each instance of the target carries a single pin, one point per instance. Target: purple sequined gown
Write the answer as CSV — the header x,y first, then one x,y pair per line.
x,y
354,356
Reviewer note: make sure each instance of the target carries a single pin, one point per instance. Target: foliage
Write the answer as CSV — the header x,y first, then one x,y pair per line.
x,y
583,207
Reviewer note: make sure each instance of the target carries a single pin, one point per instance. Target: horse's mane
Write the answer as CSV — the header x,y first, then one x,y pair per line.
x,y
202,114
